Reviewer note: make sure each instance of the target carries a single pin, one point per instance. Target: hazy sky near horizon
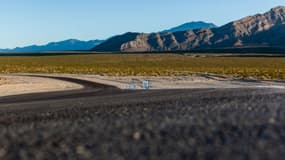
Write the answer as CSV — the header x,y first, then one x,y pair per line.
x,y
26,22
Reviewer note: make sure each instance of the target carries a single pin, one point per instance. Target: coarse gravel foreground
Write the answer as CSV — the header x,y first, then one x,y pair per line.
x,y
225,124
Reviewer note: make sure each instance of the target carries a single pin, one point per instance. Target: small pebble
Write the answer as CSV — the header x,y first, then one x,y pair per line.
x,y
137,136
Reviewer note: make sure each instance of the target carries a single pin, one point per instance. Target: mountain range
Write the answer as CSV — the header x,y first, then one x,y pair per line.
x,y
67,45
257,31
77,45
191,26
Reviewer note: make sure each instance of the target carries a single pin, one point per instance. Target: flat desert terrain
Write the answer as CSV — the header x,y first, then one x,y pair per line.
x,y
15,84
86,116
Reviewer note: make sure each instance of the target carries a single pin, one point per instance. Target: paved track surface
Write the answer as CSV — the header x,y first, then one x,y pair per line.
x,y
103,122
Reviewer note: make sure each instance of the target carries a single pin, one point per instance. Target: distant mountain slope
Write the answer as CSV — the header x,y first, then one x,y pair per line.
x,y
191,26
261,30
67,45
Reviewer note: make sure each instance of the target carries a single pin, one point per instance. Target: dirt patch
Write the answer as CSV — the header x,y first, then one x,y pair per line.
x,y
3,81
14,85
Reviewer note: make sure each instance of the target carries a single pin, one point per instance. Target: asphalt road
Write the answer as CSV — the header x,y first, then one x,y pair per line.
x,y
103,122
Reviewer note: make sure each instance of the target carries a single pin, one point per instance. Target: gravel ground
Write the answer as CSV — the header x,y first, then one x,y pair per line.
x,y
163,124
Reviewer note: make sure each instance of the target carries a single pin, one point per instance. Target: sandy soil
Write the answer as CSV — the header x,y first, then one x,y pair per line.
x,y
14,84
180,82
3,81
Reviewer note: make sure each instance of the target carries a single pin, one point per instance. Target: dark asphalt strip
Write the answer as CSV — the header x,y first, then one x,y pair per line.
x,y
84,83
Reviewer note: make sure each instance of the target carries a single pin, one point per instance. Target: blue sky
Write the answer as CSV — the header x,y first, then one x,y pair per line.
x,y
25,22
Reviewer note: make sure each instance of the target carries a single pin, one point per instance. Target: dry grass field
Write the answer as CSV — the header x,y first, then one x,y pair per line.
x,y
146,64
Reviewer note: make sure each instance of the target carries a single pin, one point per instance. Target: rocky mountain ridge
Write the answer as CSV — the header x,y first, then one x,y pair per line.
x,y
261,30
